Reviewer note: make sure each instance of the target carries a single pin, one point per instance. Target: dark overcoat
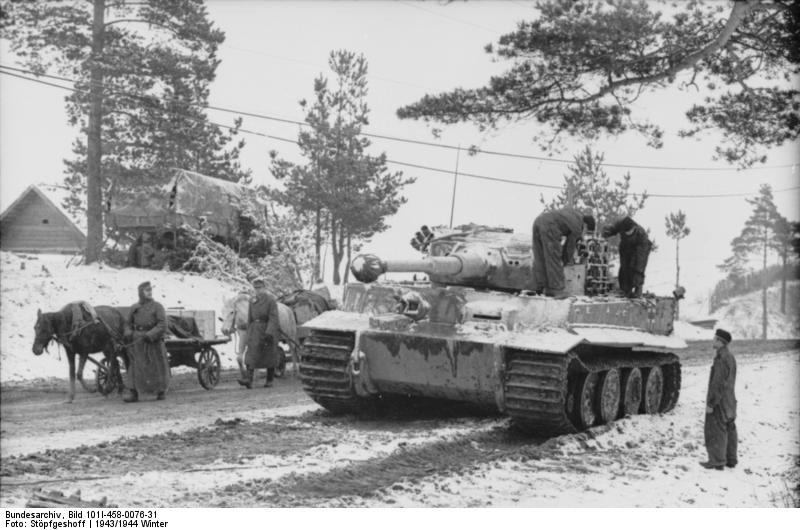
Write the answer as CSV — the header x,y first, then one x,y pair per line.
x,y
719,429
549,257
262,332
149,364
634,252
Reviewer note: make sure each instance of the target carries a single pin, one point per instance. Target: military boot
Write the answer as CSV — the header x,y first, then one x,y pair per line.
x,y
270,377
247,381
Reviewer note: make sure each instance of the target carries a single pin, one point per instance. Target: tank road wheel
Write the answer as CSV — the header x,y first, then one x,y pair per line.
x,y
586,402
107,377
631,392
653,390
608,396
208,368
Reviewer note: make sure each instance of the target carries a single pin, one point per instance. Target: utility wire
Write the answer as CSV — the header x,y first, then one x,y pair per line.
x,y
407,164
397,139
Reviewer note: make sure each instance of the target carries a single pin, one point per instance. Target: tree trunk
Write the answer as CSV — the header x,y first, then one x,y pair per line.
x,y
337,247
94,176
677,274
349,258
764,292
317,246
784,257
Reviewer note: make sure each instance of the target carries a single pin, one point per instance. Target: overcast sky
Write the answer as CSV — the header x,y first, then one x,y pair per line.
x,y
274,50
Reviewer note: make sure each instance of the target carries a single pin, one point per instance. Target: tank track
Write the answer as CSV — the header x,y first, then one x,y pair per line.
x,y
539,387
324,373
536,391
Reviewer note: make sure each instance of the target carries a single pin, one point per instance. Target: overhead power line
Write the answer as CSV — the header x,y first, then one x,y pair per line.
x,y
398,139
406,164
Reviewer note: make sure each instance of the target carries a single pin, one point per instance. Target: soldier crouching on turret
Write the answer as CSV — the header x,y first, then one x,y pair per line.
x,y
634,250
549,257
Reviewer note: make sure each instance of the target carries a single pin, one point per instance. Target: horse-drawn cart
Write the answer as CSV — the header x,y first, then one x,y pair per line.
x,y
190,341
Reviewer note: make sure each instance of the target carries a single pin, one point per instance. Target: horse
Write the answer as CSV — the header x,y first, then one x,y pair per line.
x,y
237,314
84,338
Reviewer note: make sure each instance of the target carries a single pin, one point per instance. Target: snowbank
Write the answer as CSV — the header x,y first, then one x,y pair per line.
x,y
742,315
689,332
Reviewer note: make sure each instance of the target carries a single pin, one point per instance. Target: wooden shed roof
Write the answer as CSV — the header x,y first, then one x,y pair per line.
x,y
48,196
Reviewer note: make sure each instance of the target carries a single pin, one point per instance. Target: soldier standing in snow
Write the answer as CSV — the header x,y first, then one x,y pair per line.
x,y
549,257
720,426
634,250
262,332
149,368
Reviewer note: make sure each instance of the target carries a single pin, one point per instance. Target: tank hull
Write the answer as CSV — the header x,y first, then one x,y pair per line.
x,y
521,355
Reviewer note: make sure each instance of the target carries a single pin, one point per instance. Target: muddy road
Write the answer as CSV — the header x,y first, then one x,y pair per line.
x,y
275,447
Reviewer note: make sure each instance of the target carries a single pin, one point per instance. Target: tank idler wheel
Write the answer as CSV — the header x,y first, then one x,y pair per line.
x,y
586,402
653,390
608,396
631,400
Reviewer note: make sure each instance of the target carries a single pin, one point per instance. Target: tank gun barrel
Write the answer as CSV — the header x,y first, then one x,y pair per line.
x,y
368,267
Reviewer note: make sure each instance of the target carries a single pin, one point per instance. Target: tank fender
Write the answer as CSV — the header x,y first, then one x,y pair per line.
x,y
627,337
338,321
545,340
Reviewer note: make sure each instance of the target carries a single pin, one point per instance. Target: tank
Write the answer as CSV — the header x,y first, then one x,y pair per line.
x,y
475,332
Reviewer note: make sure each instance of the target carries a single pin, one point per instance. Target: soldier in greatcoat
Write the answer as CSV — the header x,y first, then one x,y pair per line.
x,y
262,334
549,256
720,425
148,371
634,251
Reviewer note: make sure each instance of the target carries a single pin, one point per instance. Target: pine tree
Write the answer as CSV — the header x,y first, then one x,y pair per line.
x,y
344,190
587,187
677,230
787,235
578,68
758,238
142,72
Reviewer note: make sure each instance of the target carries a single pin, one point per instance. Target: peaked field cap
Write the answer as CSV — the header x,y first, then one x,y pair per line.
x,y
259,283
724,335
145,285
627,223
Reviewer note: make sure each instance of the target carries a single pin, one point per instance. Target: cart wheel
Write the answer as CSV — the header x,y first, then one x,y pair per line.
x,y
280,370
208,368
107,377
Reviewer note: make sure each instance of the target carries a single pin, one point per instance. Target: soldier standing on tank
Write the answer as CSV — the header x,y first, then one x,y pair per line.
x,y
720,425
549,256
634,250
262,331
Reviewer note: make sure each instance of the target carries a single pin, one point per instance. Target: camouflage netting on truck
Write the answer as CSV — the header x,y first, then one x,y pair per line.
x,y
188,199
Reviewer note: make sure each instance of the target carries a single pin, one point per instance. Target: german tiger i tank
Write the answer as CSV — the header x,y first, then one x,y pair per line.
x,y
476,333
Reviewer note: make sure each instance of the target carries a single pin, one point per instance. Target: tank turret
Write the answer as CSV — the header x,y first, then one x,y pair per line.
x,y
491,258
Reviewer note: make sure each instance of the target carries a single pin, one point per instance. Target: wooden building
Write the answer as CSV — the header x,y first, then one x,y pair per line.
x,y
36,223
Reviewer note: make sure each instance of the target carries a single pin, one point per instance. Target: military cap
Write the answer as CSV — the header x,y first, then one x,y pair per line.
x,y
626,224
724,335
257,283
